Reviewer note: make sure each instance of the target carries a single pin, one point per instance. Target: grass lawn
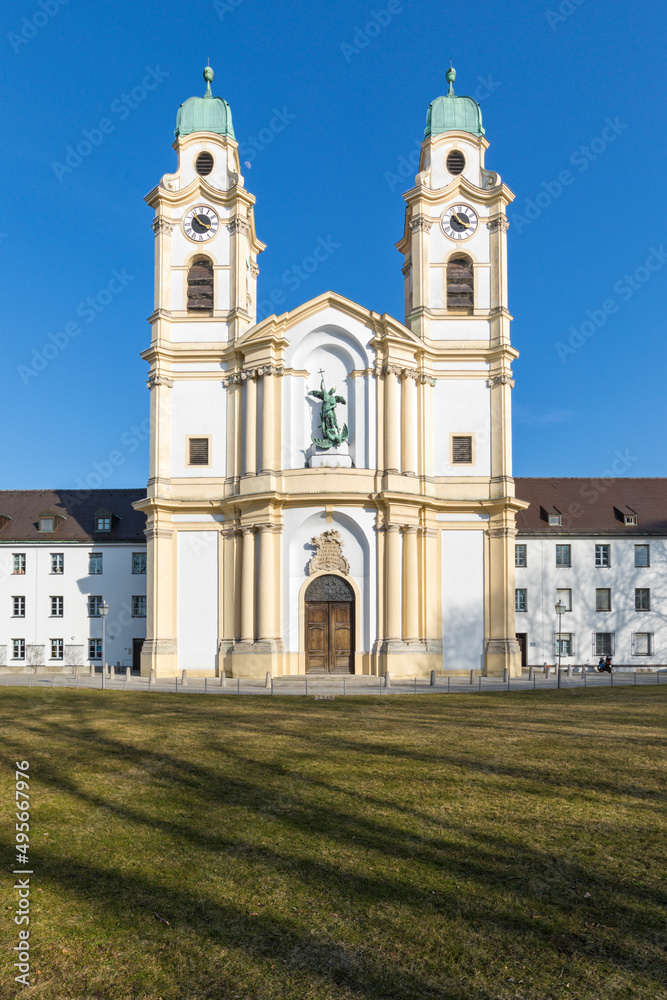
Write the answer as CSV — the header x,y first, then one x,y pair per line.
x,y
465,847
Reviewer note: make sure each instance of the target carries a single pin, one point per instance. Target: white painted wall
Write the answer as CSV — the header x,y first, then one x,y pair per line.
x,y
197,600
463,599
462,406
198,408
117,584
542,578
357,531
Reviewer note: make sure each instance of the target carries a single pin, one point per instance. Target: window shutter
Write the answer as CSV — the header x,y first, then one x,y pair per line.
x,y
198,451
461,451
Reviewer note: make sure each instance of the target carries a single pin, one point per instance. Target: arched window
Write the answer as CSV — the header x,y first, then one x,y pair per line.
x,y
460,284
200,285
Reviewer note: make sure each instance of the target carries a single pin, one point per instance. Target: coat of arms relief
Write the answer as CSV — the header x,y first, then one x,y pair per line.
x,y
329,556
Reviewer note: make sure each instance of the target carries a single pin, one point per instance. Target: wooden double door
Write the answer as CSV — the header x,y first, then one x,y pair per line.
x,y
330,626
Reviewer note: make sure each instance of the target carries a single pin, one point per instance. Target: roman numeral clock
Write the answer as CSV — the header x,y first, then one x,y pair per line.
x,y
200,224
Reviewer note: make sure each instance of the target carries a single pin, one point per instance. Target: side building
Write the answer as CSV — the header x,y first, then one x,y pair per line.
x,y
600,547
62,554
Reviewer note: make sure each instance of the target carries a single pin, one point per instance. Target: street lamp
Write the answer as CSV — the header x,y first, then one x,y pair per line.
x,y
104,611
560,611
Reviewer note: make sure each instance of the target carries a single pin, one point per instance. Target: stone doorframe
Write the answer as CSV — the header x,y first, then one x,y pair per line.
x,y
358,645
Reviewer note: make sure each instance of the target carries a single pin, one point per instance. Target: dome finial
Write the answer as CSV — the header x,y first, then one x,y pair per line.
x,y
450,76
208,76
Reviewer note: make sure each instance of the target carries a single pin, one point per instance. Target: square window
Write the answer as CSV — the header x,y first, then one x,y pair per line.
x,y
94,649
95,563
139,606
462,449
56,649
139,562
57,563
198,451
642,599
603,599
47,523
521,599
94,606
520,555
642,554
57,607
566,597
604,643
103,523
19,564
642,644
18,649
630,519
555,520
18,607
603,555
563,555
564,639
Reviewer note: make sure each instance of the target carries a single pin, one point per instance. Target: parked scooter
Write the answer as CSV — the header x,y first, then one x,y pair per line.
x,y
604,666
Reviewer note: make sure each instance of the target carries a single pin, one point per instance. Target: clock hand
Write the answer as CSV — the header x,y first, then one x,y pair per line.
x,y
200,219
460,221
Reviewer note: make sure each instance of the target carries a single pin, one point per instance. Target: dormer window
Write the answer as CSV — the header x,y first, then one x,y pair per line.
x,y
47,523
555,520
103,523
630,519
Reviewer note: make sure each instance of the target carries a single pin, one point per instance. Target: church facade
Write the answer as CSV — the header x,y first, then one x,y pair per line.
x,y
330,489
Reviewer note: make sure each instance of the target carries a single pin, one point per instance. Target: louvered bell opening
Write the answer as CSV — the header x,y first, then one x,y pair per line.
x,y
456,162
200,286
460,288
204,164
461,451
198,451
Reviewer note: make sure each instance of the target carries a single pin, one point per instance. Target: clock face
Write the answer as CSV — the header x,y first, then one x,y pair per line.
x,y
201,223
459,222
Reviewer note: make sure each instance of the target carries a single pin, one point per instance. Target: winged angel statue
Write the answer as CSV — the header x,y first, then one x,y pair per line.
x,y
332,436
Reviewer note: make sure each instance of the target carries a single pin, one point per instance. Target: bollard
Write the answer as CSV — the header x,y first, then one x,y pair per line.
x,y
432,681
128,674
534,683
387,679
272,685
238,685
380,680
611,678
505,675
306,687
151,676
176,684
635,681
585,675
223,679
472,676
53,684
415,684
205,685
77,677
267,681
448,683
530,674
92,669
343,686
547,672
480,683
184,678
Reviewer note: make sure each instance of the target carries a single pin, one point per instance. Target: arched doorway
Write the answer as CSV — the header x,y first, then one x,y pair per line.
x,y
329,626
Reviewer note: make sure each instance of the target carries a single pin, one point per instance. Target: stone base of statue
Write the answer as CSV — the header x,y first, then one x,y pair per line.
x,y
330,458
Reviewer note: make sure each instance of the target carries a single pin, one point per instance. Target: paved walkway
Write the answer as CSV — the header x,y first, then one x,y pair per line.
x,y
329,687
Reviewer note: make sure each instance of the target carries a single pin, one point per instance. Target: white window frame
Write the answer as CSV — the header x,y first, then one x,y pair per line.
x,y
142,556
602,590
600,551
21,612
567,601
643,545
643,590
564,637
93,646
59,646
20,645
568,564
524,548
18,560
555,520
97,598
99,557
57,613
651,648
524,591
103,523
57,563
44,521
138,601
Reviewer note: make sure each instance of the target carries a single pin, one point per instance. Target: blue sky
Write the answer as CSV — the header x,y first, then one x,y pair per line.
x,y
572,95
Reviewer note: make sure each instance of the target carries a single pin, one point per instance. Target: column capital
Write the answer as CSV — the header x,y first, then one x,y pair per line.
x,y
391,527
247,529
420,223
411,529
498,222
154,380
163,225
505,379
238,378
238,224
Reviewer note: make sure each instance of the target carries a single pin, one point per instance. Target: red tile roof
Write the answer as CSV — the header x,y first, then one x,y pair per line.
x,y
593,506
75,512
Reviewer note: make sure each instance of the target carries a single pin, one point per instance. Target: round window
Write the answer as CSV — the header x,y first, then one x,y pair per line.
x,y
204,164
456,162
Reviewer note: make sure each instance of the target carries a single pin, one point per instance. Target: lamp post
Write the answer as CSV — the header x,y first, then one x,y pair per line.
x,y
560,611
104,611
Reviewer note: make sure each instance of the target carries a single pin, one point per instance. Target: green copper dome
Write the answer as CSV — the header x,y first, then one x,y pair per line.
x,y
205,114
451,112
